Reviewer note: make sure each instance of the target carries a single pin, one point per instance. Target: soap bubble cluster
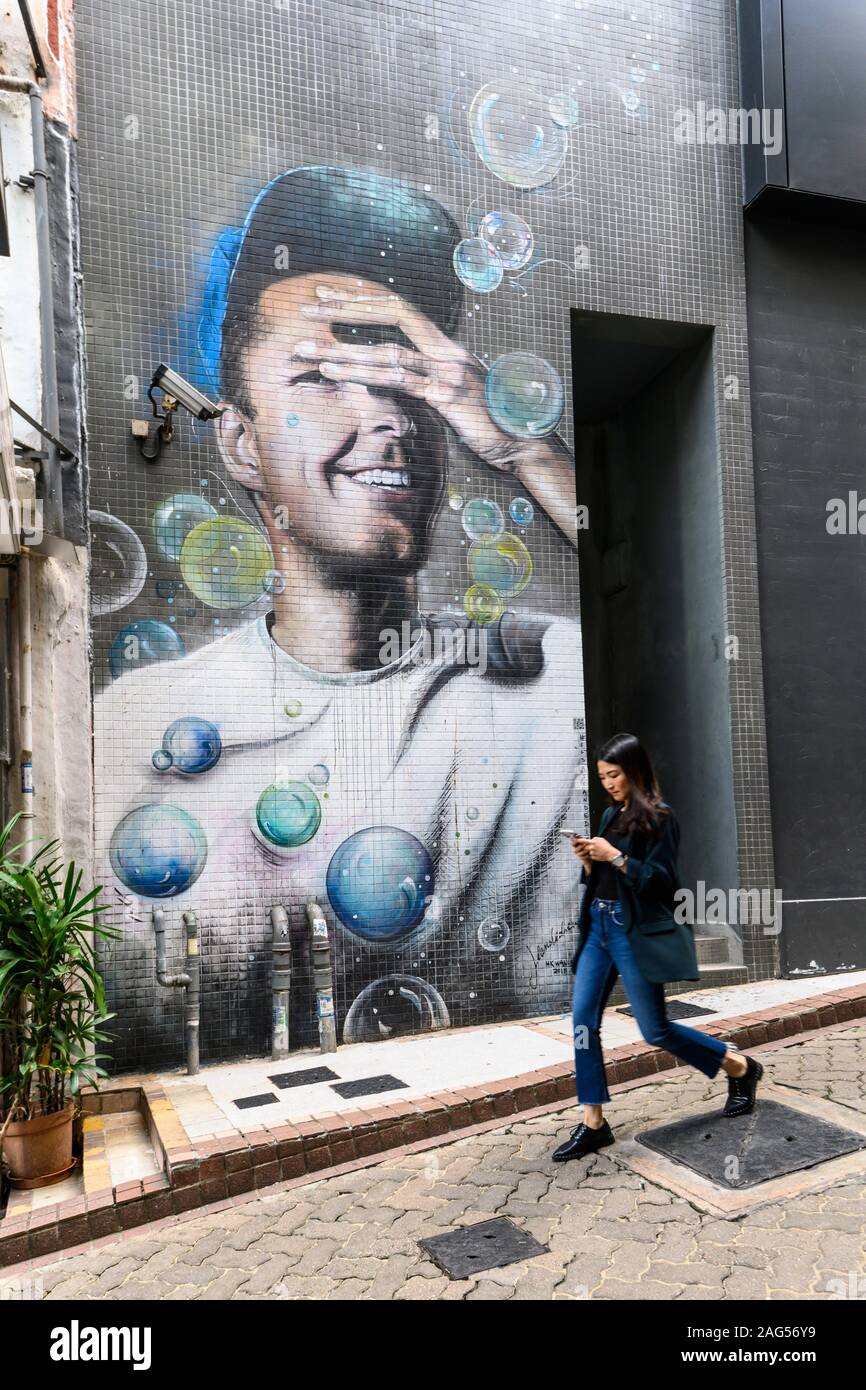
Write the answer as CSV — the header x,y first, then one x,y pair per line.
x,y
189,745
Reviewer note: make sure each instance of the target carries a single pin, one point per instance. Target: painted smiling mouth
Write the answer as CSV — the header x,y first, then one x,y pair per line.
x,y
393,478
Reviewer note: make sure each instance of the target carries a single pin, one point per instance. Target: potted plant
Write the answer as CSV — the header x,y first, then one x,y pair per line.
x,y
52,1004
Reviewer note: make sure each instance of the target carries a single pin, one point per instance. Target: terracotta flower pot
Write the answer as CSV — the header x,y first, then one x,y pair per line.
x,y
39,1151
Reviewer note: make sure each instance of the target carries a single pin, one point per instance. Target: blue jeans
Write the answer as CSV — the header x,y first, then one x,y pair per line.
x,y
607,953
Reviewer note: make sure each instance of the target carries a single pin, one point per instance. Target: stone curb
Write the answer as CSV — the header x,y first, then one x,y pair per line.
x,y
199,1174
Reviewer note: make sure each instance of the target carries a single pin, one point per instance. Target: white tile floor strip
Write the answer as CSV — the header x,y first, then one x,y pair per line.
x,y
438,1062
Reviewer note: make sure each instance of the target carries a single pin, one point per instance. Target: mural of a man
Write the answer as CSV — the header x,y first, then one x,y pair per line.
x,y
342,381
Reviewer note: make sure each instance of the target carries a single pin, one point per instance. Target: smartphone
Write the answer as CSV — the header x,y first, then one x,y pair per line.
x,y
572,834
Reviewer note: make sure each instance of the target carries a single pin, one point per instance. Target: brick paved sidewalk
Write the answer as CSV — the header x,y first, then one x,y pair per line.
x,y
611,1234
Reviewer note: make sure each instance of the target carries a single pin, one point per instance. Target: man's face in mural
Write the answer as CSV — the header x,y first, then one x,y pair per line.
x,y
348,465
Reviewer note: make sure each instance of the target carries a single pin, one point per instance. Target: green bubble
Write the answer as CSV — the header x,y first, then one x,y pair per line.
x,y
288,814
503,563
482,604
224,562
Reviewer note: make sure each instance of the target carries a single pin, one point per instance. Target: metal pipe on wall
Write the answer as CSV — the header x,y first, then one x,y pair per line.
x,y
25,686
52,473
281,981
189,980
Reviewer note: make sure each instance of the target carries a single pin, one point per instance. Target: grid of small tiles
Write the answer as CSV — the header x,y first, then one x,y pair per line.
x,y
371,467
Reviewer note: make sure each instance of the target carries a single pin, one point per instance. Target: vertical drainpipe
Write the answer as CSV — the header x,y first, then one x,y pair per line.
x,y
25,683
52,475
192,998
281,982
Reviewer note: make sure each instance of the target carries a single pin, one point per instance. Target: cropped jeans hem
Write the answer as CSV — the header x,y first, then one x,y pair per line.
x,y
607,953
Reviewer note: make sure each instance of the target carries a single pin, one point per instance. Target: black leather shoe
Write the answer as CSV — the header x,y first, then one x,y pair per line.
x,y
584,1141
741,1089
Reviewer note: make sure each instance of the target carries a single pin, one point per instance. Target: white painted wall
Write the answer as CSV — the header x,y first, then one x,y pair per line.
x,y
62,760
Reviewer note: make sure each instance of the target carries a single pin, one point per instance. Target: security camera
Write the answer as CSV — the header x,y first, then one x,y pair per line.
x,y
175,391
173,384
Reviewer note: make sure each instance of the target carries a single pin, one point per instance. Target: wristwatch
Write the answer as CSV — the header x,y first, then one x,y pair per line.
x,y
620,859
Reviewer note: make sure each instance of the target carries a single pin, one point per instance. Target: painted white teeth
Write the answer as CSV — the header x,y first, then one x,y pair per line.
x,y
384,477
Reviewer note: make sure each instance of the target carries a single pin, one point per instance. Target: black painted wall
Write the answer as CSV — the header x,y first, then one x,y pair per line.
x,y
807,322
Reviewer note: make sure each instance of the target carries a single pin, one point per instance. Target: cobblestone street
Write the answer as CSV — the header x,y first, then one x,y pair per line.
x,y
611,1235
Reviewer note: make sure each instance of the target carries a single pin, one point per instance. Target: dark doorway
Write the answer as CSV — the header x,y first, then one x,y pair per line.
x,y
651,580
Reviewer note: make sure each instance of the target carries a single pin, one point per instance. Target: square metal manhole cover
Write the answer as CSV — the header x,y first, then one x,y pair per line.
x,y
486,1245
369,1086
676,1008
742,1152
310,1077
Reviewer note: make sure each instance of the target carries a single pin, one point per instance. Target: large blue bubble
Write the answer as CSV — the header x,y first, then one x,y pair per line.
x,y
378,882
192,744
525,395
158,850
142,643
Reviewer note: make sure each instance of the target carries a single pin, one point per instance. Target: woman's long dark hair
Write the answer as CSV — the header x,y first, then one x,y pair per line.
x,y
646,809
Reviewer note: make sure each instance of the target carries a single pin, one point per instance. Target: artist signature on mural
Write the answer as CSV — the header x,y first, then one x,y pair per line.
x,y
546,947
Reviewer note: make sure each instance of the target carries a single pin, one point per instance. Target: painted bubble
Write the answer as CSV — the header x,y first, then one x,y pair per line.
x,y
525,395
175,518
319,775
510,237
632,102
393,1006
378,881
274,582
493,934
482,604
292,709
472,813
193,745
161,760
482,517
455,501
514,135
503,563
141,644
636,75
288,814
224,562
563,109
477,265
158,850
118,564
521,511
167,588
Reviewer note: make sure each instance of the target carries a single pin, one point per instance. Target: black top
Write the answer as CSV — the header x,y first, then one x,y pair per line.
x,y
608,878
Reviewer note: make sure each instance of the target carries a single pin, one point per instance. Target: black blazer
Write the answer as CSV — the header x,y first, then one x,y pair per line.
x,y
664,948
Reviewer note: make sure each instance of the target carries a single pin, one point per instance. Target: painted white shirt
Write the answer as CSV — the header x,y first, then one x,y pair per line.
x,y
483,770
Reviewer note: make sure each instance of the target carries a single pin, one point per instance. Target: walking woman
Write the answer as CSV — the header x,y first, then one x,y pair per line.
x,y
627,927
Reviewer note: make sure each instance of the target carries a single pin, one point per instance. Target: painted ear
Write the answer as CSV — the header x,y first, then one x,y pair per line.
x,y
239,450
